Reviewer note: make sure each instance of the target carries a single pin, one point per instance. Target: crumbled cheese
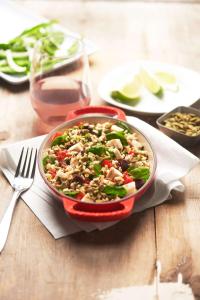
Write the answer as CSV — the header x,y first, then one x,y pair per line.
x,y
115,143
116,128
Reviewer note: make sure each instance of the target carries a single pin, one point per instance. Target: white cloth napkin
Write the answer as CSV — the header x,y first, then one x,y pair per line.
x,y
174,162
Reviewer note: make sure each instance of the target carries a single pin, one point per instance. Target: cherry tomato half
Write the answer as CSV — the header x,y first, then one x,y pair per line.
x,y
52,172
56,135
106,162
127,178
61,154
80,195
132,152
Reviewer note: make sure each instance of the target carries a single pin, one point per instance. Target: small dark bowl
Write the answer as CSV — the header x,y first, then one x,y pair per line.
x,y
196,104
181,138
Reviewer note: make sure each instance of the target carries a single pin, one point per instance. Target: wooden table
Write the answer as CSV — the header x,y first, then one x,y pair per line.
x,y
33,264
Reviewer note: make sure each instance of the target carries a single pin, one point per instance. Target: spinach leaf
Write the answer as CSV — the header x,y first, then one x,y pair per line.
x,y
98,150
123,126
139,173
115,190
91,176
59,140
70,193
111,154
97,169
48,159
99,132
117,135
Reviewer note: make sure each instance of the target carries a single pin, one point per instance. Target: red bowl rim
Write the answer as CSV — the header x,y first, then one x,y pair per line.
x,y
67,123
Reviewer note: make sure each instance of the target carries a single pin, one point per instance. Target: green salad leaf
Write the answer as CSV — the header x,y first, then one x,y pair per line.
x,y
123,126
70,193
59,140
98,150
139,173
111,154
117,135
97,169
115,190
48,159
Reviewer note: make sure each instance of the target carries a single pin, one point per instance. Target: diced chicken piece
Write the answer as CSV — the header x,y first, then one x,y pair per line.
x,y
61,174
102,138
115,143
131,136
74,161
133,142
116,128
113,173
130,187
77,147
86,198
136,144
117,154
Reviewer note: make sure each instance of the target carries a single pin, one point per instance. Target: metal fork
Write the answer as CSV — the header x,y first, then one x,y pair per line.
x,y
23,180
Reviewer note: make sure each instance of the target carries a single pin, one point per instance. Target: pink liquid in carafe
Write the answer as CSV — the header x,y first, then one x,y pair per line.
x,y
53,97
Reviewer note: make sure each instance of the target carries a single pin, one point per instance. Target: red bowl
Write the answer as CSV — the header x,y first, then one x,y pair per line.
x,y
98,212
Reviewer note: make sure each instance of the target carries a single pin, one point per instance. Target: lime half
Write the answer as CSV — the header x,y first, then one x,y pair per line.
x,y
129,92
150,83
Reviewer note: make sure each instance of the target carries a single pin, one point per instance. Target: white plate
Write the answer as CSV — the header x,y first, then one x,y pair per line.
x,y
188,93
13,20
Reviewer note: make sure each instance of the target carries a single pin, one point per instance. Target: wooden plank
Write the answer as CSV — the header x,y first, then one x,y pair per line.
x,y
178,241
35,266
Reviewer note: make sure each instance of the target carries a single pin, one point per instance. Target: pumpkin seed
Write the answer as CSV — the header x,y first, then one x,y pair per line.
x,y
186,123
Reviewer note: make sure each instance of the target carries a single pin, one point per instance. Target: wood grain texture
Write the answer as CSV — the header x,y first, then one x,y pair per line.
x,y
34,265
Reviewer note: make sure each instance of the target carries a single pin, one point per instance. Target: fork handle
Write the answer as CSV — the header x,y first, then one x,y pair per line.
x,y
6,220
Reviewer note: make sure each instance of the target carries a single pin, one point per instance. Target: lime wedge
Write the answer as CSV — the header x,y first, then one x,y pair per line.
x,y
129,92
167,80
151,83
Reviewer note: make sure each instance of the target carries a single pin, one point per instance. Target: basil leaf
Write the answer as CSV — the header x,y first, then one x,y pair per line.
x,y
48,159
71,193
111,154
59,140
97,169
98,150
91,176
123,126
99,132
139,173
115,190
117,135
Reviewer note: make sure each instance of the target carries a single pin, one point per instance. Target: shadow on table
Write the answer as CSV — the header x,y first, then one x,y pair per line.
x,y
14,88
115,235
177,199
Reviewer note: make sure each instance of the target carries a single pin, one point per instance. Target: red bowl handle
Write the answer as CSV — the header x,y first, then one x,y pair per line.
x,y
113,111
78,211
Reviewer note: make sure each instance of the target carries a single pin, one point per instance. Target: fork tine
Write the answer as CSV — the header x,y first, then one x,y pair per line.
x,y
24,166
19,163
29,164
34,165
